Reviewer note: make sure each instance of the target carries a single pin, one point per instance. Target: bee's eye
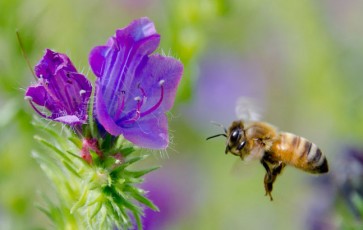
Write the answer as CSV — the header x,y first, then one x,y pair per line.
x,y
241,145
235,135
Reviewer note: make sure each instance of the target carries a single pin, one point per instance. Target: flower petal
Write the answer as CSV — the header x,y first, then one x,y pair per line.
x,y
51,63
103,117
39,96
97,59
69,119
151,133
158,68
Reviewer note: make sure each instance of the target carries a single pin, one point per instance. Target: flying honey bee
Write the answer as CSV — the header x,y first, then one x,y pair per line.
x,y
251,139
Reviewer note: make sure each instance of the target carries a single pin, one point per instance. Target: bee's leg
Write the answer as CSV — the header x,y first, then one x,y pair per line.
x,y
268,180
265,165
277,169
270,176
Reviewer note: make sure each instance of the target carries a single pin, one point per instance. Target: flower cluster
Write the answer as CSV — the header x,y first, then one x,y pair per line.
x,y
134,89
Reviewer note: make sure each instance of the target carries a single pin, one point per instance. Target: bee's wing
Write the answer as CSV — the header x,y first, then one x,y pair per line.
x,y
247,109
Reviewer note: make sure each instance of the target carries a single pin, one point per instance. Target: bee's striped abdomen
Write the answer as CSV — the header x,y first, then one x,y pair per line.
x,y
300,152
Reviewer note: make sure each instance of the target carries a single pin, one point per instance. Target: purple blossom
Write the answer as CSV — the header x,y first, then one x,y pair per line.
x,y
340,189
134,88
60,89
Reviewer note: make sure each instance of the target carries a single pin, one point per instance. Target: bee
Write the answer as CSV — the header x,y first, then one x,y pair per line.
x,y
249,139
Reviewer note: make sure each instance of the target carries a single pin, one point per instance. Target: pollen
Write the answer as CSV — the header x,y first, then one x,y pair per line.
x,y
161,82
81,92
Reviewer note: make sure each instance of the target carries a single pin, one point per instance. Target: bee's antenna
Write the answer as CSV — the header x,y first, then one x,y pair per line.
x,y
220,125
24,54
221,134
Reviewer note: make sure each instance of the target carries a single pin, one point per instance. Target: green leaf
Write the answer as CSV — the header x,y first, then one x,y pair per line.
x,y
92,127
107,141
76,141
118,217
52,147
44,210
95,158
46,128
138,195
137,218
71,169
76,156
127,151
82,200
108,162
120,141
96,210
138,174
131,161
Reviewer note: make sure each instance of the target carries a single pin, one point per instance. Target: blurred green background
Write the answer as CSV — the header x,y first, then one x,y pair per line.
x,y
301,60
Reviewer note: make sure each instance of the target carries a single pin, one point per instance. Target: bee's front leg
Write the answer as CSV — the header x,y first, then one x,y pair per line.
x,y
271,173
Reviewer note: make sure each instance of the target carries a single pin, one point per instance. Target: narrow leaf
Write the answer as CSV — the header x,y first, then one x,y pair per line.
x,y
52,147
137,174
81,202
71,169
137,195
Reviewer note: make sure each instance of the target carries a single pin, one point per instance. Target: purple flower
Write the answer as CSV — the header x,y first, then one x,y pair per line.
x,y
60,89
134,87
338,192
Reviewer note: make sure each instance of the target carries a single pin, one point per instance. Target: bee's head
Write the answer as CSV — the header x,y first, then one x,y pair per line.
x,y
236,139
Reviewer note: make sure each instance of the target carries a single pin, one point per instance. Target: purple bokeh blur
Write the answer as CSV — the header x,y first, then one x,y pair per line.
x,y
223,78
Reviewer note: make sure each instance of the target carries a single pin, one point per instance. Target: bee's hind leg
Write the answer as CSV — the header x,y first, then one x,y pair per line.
x,y
268,180
271,173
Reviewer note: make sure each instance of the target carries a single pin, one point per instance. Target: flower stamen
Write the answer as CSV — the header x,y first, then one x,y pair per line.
x,y
140,101
153,108
30,99
137,111
119,110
